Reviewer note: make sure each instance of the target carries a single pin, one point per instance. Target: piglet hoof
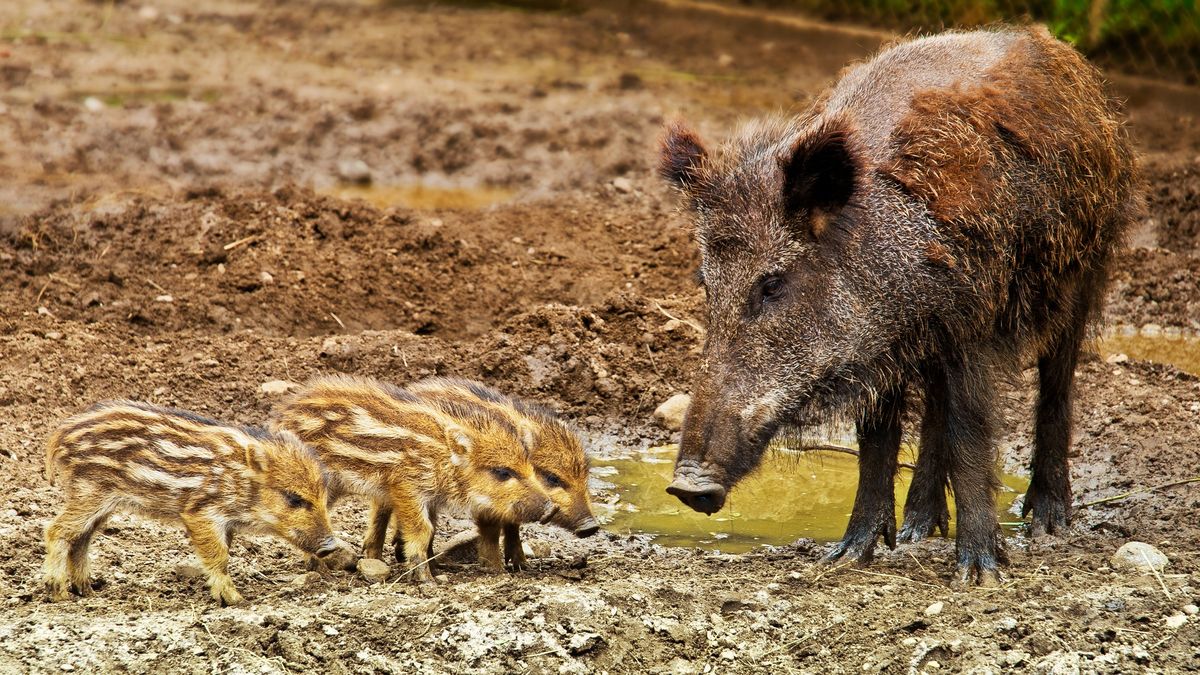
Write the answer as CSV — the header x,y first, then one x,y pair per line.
x,y
517,562
227,596
1051,513
58,592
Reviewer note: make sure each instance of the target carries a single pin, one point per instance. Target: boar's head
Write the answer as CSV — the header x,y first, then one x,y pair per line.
x,y
794,302
291,501
562,468
494,458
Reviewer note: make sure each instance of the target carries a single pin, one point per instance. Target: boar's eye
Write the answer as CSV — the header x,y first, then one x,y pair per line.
x,y
294,500
501,474
551,480
771,288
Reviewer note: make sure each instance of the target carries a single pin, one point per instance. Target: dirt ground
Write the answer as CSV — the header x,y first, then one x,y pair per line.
x,y
169,232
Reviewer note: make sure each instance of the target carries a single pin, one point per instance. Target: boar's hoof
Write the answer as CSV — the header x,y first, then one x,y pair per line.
x,y
980,567
227,596
925,522
707,499
860,547
1051,512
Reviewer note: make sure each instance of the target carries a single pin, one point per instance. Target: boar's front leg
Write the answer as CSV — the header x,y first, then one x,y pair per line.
x,y
415,529
514,553
377,524
212,547
964,389
874,511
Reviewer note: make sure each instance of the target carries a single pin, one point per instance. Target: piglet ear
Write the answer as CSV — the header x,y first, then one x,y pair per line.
x,y
681,156
528,436
820,174
458,438
257,458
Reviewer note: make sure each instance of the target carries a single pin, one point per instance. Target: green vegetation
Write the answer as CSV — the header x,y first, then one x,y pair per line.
x,y
1160,37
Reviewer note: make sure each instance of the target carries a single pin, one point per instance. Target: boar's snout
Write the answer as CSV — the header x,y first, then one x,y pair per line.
x,y
587,528
697,488
706,499
336,554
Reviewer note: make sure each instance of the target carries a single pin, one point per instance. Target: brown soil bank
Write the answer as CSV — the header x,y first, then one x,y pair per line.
x,y
168,233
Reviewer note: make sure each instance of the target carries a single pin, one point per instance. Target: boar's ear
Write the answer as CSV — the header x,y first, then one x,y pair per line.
x,y
458,439
257,458
681,156
528,436
820,174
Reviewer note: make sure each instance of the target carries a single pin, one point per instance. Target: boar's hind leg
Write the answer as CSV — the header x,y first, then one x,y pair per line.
x,y
874,511
213,550
925,509
965,392
68,538
1049,494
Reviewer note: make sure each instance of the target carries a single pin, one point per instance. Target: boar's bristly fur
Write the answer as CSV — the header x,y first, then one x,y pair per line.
x,y
411,457
948,210
555,450
123,456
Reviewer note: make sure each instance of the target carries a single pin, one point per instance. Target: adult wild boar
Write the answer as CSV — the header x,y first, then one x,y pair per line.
x,y
949,209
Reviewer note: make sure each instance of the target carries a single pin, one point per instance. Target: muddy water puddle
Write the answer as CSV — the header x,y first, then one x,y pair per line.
x,y
792,495
419,196
1172,346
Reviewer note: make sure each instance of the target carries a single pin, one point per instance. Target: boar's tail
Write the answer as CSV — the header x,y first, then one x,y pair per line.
x,y
53,450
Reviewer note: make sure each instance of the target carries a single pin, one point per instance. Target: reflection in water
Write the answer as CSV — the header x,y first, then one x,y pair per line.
x,y
792,495
417,196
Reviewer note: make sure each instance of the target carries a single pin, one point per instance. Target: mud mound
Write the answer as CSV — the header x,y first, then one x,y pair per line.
x,y
291,262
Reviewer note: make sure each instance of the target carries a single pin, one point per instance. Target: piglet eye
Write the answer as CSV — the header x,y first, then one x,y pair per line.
x,y
551,480
771,288
502,474
293,500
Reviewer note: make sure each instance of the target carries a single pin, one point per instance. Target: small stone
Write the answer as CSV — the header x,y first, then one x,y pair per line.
x,y
1137,555
935,608
373,570
1176,620
582,643
329,630
909,642
266,277
189,570
54,335
729,655
1006,623
1117,358
354,171
932,665
670,414
1014,657
93,104
148,13
164,298
539,549
42,311
724,60
277,387
1191,610
305,580
622,184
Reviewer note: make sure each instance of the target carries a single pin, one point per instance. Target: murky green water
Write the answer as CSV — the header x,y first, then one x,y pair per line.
x,y
1150,343
792,495
419,196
